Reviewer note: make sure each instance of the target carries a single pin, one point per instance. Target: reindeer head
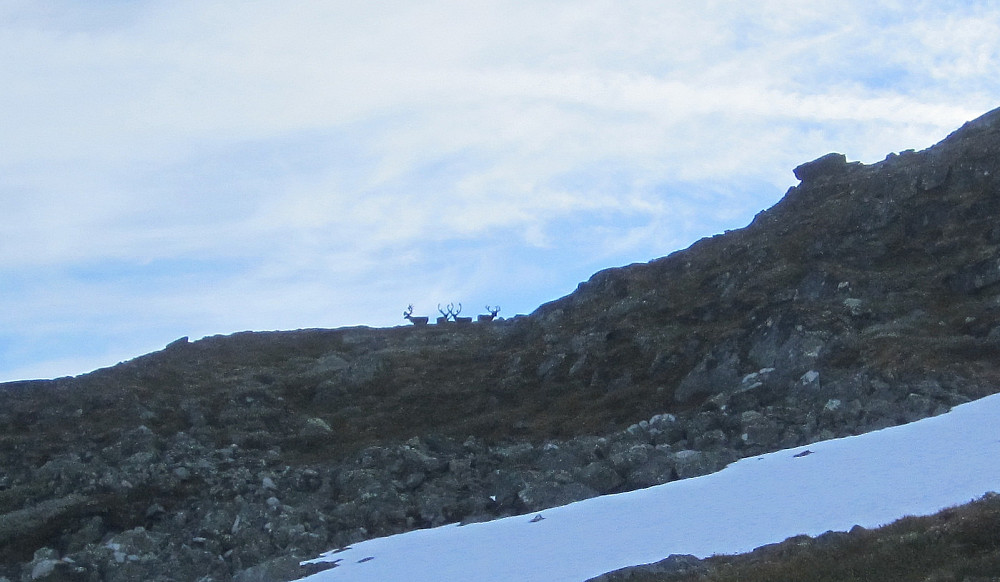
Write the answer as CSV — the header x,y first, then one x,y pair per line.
x,y
493,313
446,315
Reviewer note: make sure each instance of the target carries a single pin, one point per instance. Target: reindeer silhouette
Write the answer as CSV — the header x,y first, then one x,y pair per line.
x,y
460,319
487,318
445,316
408,314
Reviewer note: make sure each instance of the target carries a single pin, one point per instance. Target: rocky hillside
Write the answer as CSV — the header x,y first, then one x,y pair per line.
x,y
868,296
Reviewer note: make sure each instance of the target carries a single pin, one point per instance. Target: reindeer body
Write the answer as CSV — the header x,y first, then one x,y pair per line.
x,y
419,320
487,318
449,312
461,319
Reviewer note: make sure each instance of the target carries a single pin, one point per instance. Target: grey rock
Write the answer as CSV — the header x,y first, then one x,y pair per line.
x,y
556,458
517,453
599,476
855,306
691,463
626,456
35,521
976,277
542,494
45,569
315,428
658,468
830,164
550,365
276,570
666,429
718,371
711,439
758,430
810,379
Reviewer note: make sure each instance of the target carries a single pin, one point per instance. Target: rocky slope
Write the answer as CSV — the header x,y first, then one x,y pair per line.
x,y
868,296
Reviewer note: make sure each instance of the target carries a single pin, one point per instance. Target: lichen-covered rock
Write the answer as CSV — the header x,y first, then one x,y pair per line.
x,y
717,371
758,430
656,469
691,463
544,493
600,476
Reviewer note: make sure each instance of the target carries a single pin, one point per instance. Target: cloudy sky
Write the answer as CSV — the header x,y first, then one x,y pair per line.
x,y
191,168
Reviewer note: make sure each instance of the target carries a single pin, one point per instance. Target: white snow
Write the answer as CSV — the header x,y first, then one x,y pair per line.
x,y
869,480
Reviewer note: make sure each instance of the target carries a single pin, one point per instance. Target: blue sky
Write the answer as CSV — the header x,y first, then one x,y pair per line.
x,y
191,168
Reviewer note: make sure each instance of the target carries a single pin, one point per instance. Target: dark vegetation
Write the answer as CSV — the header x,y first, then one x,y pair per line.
x,y
868,296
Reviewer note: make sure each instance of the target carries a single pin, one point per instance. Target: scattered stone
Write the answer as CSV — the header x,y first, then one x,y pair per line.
x,y
283,568
315,428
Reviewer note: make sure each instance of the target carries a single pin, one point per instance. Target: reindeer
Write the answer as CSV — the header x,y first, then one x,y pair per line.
x,y
487,318
408,314
445,316
460,319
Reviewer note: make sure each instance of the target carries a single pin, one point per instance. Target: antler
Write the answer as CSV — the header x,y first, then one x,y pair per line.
x,y
409,311
452,313
493,313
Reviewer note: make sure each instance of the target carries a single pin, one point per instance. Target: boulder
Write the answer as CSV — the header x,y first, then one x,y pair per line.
x,y
828,165
716,372
658,468
599,476
691,463
545,493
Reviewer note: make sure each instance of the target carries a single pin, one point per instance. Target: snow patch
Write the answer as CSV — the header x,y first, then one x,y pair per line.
x,y
866,480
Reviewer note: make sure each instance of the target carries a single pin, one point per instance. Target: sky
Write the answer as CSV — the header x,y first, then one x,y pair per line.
x,y
868,480
192,168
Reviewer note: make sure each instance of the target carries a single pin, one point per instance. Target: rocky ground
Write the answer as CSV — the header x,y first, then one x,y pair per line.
x,y
869,296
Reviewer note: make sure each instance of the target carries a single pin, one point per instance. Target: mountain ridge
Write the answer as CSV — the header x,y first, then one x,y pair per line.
x,y
867,296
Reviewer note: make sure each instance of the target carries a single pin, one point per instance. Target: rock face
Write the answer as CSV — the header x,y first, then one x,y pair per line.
x,y
868,296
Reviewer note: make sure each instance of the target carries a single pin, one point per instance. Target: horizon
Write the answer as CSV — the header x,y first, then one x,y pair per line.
x,y
187,169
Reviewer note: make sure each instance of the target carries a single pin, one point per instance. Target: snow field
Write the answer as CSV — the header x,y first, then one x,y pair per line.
x,y
866,480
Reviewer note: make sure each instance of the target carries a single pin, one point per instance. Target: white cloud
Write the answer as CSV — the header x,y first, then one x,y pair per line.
x,y
315,145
